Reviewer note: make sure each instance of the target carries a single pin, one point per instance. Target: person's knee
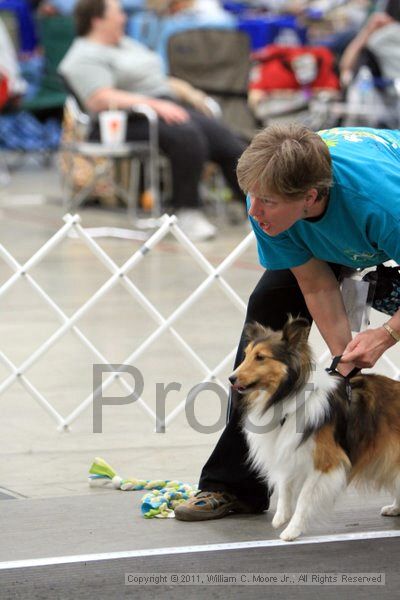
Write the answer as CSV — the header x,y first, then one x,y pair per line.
x,y
186,141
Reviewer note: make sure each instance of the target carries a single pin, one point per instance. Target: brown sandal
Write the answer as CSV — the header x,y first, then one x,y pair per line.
x,y
204,506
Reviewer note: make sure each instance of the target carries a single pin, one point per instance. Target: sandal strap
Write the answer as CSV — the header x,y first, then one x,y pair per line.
x,y
212,499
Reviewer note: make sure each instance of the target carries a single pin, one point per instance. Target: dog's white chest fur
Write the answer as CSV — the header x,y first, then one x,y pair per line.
x,y
274,438
287,465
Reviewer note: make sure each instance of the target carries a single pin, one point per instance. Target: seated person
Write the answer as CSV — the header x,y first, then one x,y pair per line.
x,y
380,35
385,47
106,69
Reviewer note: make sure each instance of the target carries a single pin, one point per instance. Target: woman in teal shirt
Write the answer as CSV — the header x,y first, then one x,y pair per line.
x,y
317,202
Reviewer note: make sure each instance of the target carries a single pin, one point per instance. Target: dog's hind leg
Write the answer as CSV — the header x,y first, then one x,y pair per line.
x,y
284,508
393,510
318,493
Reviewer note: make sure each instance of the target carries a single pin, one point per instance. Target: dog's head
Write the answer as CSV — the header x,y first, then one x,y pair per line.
x,y
278,362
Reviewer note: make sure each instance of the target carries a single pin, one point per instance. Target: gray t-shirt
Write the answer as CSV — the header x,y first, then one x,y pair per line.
x,y
384,43
129,66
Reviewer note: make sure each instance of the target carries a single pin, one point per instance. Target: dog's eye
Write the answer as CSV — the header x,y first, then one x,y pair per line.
x,y
260,357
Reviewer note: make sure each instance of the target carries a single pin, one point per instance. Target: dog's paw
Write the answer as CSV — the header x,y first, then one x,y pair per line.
x,y
390,511
279,520
290,533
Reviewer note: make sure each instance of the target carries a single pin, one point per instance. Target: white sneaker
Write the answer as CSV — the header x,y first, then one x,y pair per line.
x,y
195,225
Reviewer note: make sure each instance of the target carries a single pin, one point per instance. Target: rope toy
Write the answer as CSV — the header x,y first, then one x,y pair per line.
x,y
165,495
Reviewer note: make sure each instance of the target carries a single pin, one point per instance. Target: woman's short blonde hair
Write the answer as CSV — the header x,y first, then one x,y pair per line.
x,y
286,160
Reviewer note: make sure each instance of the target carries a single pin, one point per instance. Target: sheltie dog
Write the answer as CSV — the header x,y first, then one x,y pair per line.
x,y
306,437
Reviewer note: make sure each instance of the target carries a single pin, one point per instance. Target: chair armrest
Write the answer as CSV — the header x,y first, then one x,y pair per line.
x,y
81,120
78,115
147,111
214,107
152,117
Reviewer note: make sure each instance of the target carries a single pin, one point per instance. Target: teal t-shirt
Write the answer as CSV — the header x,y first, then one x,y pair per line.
x,y
361,226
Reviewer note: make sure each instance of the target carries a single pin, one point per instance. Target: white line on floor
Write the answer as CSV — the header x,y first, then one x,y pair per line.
x,y
80,558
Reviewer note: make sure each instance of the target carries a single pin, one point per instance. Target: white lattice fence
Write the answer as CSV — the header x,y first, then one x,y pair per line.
x,y
119,276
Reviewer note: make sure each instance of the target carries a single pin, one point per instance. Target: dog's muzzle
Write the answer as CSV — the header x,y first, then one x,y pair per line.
x,y
242,389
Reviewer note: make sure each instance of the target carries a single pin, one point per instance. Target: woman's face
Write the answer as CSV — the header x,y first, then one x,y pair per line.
x,y
114,20
276,214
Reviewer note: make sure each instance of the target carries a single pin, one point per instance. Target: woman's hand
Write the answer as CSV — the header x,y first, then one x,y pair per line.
x,y
378,20
169,111
345,369
198,100
191,95
367,347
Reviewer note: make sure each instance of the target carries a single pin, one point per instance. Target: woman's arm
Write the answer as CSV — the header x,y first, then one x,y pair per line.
x,y
111,98
352,52
324,301
187,93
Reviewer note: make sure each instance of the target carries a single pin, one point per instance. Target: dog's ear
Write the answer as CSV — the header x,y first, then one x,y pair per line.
x,y
254,330
296,331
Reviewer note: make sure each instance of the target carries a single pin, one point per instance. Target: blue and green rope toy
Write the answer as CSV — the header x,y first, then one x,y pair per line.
x,y
159,503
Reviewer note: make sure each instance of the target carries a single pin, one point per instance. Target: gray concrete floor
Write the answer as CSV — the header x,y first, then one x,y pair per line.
x,y
105,580
40,460
109,521
52,510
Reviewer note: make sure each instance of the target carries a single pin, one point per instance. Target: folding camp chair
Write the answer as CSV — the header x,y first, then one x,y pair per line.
x,y
56,35
216,61
135,153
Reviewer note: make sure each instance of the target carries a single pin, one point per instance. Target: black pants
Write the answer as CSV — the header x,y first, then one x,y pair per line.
x,y
276,295
188,146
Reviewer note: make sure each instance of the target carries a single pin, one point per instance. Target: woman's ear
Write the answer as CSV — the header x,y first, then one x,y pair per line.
x,y
311,197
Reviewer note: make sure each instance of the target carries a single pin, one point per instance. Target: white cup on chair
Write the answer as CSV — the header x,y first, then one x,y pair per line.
x,y
113,127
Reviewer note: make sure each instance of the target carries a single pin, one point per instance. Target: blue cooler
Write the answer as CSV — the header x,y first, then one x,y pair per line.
x,y
276,29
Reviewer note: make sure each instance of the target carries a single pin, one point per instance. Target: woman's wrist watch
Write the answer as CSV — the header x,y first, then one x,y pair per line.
x,y
392,332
